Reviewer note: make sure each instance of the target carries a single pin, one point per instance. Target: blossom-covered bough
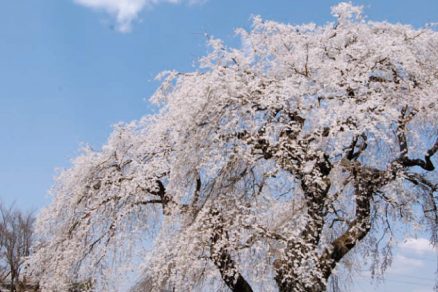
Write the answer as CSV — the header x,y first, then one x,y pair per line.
x,y
269,168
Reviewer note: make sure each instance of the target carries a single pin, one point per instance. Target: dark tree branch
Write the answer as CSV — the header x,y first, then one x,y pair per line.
x,y
161,191
356,231
404,119
367,182
197,191
164,197
149,202
418,179
404,159
222,258
315,186
352,154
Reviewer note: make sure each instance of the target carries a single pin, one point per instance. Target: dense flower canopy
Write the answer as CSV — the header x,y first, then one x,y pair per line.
x,y
265,169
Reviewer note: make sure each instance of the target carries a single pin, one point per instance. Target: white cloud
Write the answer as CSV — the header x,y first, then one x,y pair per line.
x,y
404,265
126,11
408,262
417,245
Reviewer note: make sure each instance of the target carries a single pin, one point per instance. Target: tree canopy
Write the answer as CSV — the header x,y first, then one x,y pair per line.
x,y
307,150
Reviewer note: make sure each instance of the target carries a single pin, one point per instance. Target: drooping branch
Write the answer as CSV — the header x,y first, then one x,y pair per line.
x,y
430,209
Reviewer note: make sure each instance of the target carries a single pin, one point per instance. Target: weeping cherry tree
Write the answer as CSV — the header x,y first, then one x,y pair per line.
x,y
273,167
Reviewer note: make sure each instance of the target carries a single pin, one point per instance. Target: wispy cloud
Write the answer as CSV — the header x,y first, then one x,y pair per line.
x,y
417,245
126,11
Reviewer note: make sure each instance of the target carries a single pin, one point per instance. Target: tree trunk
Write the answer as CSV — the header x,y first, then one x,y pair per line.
x,y
222,258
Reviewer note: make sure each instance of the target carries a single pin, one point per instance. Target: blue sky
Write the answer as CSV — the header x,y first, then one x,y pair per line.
x,y
69,70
